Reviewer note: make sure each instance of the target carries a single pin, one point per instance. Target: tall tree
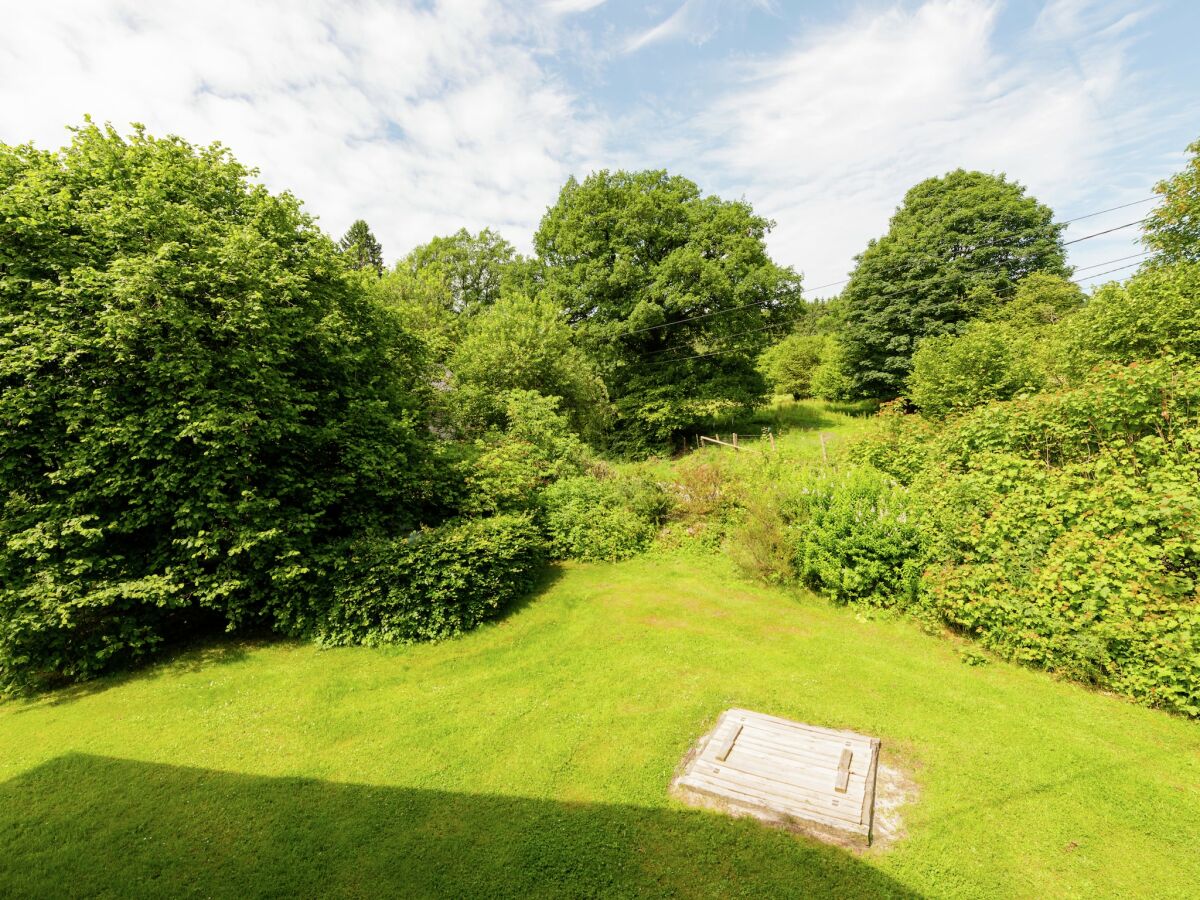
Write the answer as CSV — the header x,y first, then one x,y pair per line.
x,y
359,244
1173,228
186,428
471,265
673,292
956,246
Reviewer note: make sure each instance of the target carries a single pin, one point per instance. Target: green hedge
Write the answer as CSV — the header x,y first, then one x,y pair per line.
x,y
600,519
433,584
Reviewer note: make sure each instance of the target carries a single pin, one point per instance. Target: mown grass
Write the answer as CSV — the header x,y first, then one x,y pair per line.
x,y
532,758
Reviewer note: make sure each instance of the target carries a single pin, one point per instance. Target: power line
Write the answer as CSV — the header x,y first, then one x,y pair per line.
x,y
779,325
1088,237
1118,259
1110,209
732,309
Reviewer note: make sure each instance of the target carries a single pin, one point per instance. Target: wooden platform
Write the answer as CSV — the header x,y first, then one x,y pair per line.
x,y
818,779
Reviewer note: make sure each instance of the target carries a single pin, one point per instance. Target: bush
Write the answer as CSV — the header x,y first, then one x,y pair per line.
x,y
510,467
854,537
197,401
988,361
789,365
592,519
1089,570
1155,312
433,584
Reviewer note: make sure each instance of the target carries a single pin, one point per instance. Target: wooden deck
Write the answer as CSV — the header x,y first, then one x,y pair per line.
x,y
778,769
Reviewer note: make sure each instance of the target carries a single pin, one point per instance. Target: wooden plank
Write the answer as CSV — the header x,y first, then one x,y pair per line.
x,y
726,746
843,772
817,780
748,798
806,772
792,803
822,754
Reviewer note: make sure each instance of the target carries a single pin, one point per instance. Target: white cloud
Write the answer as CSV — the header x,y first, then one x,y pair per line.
x,y
828,136
420,119
693,20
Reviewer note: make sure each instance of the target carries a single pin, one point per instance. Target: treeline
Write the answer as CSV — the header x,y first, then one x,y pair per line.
x,y
214,416
1044,498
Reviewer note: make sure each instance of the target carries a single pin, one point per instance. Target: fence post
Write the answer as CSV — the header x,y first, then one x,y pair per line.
x,y
772,434
735,444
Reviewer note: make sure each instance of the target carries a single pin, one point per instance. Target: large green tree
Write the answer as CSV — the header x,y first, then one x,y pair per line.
x,y
361,247
472,266
955,247
198,403
672,291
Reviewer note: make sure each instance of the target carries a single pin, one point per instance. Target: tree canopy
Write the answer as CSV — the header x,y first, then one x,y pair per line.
x,y
197,402
1173,228
957,245
672,291
361,247
471,266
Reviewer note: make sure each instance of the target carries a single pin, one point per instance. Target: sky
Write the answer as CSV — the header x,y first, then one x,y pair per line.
x,y
426,117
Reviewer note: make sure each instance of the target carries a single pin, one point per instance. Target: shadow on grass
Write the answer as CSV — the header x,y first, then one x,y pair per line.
x,y
92,825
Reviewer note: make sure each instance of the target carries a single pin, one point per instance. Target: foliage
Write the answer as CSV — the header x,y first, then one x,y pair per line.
x,y
1089,569
1040,299
424,306
471,267
591,518
433,584
988,361
196,402
831,379
521,343
1173,228
672,293
854,536
789,364
955,245
361,248
901,445
535,447
1154,312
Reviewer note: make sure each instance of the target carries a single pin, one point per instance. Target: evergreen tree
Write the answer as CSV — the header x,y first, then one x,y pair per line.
x,y
361,246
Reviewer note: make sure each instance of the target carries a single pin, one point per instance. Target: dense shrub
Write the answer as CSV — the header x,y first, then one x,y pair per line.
x,y
601,519
988,361
1155,312
1090,569
789,365
854,536
510,466
197,401
432,584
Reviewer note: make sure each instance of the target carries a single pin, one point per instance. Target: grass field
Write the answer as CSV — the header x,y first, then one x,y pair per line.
x,y
532,758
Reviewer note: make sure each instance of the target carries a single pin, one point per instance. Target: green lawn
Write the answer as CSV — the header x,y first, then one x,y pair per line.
x,y
532,758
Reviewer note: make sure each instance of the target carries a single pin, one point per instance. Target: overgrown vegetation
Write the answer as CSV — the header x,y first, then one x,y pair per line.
x,y
214,416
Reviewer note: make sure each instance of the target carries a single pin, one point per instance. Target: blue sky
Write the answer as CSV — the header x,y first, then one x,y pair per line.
x,y
424,117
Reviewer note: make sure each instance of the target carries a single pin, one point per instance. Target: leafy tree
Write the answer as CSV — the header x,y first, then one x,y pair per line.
x,y
789,365
361,248
954,246
471,266
1173,228
198,404
424,305
830,380
1040,299
673,293
524,344
988,361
